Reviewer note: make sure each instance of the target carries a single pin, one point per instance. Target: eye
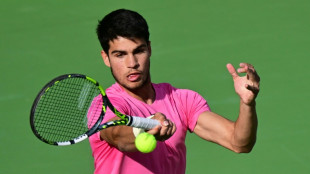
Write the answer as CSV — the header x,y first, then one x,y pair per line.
x,y
140,50
119,54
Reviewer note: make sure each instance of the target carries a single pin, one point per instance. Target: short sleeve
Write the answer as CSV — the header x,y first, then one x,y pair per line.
x,y
96,109
193,105
119,103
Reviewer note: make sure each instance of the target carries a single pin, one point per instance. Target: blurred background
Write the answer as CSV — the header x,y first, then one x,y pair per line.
x,y
192,41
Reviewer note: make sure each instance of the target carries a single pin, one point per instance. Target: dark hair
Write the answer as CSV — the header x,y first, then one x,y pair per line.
x,y
124,23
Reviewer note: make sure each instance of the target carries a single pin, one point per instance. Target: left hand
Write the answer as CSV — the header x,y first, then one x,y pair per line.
x,y
247,87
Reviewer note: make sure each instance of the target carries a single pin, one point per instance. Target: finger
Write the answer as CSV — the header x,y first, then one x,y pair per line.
x,y
232,70
166,131
172,130
160,135
252,88
250,70
155,130
242,64
169,131
252,74
164,128
243,68
165,123
161,118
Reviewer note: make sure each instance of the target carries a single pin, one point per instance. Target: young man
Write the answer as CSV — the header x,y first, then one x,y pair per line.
x,y
124,37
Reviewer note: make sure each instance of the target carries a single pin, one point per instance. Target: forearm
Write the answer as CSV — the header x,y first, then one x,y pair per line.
x,y
121,137
245,128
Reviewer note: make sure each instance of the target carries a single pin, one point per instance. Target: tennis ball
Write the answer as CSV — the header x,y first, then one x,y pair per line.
x,y
145,142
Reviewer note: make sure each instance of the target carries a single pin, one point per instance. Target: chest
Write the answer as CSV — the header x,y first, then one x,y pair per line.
x,y
171,108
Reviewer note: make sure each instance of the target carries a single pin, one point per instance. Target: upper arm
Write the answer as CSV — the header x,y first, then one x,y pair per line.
x,y
215,128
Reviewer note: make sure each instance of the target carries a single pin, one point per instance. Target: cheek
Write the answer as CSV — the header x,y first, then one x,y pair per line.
x,y
117,65
119,69
145,61
116,74
147,64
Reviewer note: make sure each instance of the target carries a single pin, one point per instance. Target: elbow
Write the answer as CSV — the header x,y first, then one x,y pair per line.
x,y
244,149
126,147
113,138
122,146
122,143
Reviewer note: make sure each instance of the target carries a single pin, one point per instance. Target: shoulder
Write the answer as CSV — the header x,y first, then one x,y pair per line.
x,y
114,89
117,96
163,87
175,90
182,94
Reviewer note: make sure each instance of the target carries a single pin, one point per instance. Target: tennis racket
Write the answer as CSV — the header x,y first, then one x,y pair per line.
x,y
71,107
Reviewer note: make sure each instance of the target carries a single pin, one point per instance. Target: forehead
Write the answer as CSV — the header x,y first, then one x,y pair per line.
x,y
123,43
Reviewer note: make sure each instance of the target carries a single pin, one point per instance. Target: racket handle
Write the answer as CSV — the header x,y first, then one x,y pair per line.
x,y
143,123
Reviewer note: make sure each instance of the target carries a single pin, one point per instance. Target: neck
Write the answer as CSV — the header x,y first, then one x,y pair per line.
x,y
146,93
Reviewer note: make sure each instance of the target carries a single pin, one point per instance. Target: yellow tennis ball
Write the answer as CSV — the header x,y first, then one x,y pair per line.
x,y
145,142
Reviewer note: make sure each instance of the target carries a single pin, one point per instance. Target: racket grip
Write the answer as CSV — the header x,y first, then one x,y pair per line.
x,y
143,123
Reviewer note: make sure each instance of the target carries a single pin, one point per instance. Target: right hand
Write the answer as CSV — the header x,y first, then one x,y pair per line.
x,y
163,131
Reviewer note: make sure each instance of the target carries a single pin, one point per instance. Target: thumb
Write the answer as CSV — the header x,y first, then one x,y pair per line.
x,y
232,70
155,130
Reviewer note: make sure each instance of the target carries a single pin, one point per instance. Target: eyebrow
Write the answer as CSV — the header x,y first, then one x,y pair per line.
x,y
141,46
121,51
118,51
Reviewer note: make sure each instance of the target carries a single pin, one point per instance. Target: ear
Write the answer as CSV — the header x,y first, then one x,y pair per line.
x,y
105,58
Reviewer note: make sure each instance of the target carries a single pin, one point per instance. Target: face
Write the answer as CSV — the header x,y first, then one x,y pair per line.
x,y
129,60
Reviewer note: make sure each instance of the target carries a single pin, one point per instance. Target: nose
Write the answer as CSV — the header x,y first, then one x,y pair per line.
x,y
132,61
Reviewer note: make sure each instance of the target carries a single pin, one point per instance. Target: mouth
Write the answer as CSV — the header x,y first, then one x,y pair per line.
x,y
133,77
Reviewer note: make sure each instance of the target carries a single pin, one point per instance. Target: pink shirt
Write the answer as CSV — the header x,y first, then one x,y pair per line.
x,y
181,106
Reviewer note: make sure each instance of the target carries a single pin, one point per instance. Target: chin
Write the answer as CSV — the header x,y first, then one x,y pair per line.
x,y
132,86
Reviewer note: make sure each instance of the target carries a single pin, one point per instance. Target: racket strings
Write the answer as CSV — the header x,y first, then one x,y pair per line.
x,y
61,113
94,111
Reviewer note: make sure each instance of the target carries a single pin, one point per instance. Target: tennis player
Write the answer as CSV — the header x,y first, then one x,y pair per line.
x,y
124,37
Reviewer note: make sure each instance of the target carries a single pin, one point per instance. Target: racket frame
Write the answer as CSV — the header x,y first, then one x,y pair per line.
x,y
45,89
125,119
